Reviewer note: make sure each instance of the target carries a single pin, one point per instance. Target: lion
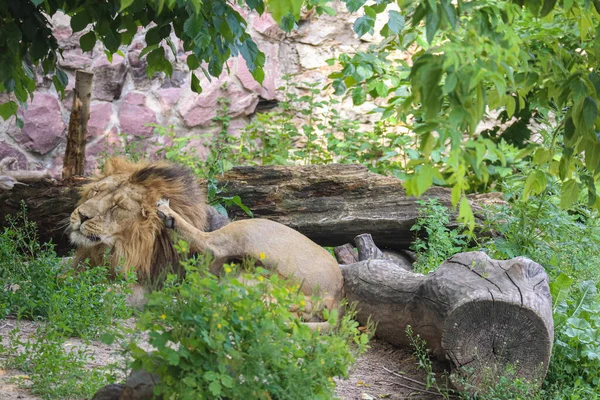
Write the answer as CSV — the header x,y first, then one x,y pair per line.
x,y
123,214
116,217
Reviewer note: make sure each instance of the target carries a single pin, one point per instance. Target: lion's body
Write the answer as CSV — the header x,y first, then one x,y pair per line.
x,y
117,216
278,247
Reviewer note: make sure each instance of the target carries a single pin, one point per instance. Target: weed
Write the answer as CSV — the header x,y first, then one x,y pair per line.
x,y
424,362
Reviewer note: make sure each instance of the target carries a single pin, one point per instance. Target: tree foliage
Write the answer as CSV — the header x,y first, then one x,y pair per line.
x,y
511,61
212,31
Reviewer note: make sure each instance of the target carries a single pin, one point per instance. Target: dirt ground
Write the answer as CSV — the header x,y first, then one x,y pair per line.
x,y
368,377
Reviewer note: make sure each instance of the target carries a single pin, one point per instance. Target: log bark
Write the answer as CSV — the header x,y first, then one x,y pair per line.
x,y
74,161
330,204
477,312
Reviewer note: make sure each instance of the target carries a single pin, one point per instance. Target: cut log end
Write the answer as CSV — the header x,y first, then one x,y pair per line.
x,y
483,337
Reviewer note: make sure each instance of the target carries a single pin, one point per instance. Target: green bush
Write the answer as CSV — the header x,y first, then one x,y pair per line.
x,y
54,370
36,284
222,338
437,242
567,244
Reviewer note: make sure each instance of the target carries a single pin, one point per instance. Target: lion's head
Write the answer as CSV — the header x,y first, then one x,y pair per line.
x,y
117,216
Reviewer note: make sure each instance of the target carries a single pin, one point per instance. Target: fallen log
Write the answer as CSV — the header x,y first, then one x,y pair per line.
x,y
479,313
330,204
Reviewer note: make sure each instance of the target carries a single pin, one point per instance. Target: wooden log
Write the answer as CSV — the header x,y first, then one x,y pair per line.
x,y
49,203
74,161
346,254
476,312
330,204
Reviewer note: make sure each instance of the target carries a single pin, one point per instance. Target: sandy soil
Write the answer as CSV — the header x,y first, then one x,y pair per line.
x,y
368,377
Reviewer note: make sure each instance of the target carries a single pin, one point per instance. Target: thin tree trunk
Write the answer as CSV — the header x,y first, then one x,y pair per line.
x,y
74,161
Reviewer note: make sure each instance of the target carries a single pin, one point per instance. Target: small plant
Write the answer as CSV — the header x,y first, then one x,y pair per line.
x,y
54,371
221,338
440,242
424,362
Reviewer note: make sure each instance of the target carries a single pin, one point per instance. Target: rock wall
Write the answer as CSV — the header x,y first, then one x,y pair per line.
x,y
125,101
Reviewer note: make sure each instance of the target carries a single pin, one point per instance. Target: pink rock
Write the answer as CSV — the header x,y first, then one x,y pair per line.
x,y
99,119
266,25
109,78
236,125
109,145
134,114
272,73
6,150
44,127
199,110
169,97
75,59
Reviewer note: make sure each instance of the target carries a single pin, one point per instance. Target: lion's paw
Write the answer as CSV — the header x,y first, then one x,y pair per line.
x,y
164,212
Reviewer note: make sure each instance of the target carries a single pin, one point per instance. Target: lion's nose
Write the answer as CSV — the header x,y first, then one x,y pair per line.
x,y
83,217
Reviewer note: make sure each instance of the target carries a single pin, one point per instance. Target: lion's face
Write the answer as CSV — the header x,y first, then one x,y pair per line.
x,y
109,208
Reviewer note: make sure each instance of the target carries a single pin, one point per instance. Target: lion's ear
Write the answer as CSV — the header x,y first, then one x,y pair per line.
x,y
120,165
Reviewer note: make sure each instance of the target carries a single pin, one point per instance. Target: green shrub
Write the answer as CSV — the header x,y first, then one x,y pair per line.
x,y
53,370
222,338
567,244
437,242
36,284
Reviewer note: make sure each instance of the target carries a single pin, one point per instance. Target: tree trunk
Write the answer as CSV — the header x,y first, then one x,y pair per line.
x,y
479,313
330,204
74,162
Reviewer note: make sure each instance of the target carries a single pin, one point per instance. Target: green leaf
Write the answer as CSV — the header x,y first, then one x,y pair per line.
x,y
358,96
465,213
192,62
339,87
569,194
8,109
547,7
432,23
281,8
590,112
227,381
363,25
125,4
215,388
535,184
559,287
20,122
196,88
450,12
88,41
424,178
354,5
173,357
396,22
80,21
